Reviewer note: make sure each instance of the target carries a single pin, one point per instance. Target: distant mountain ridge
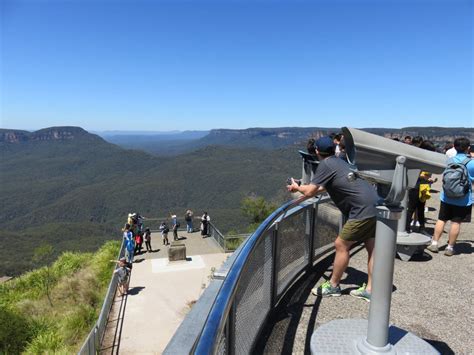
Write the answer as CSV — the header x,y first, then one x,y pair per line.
x,y
274,138
45,134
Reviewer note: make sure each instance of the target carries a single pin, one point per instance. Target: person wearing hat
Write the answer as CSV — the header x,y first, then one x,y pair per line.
x,y
356,199
123,275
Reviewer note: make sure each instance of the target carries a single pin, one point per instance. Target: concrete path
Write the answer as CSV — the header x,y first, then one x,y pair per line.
x,y
160,295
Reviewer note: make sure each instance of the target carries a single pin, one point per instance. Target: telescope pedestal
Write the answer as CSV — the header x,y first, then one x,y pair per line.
x,y
409,244
342,336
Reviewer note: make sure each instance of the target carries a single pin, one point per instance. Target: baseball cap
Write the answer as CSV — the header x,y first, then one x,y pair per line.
x,y
325,145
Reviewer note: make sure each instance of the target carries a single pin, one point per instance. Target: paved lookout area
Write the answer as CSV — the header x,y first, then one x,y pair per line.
x,y
160,295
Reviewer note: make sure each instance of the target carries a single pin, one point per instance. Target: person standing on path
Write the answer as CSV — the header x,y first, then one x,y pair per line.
x,y
176,225
357,201
188,217
455,209
205,219
129,243
148,240
123,274
164,233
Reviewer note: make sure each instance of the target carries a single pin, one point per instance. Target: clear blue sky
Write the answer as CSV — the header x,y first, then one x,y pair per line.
x,y
166,65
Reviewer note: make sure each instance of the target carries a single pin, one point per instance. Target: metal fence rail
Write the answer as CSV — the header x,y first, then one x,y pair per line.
x,y
92,343
232,312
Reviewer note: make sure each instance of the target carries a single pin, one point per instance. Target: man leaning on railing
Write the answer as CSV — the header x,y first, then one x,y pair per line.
x,y
356,199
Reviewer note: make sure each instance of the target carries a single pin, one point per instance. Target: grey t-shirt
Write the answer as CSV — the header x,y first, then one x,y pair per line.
x,y
356,199
123,274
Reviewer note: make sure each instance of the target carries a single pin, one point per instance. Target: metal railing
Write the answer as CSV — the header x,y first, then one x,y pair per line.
x,y
92,343
231,313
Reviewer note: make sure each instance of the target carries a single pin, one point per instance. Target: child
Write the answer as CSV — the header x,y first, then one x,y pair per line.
x,y
148,240
138,243
123,275
164,232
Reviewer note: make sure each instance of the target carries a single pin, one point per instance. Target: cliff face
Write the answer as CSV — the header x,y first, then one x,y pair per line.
x,y
47,134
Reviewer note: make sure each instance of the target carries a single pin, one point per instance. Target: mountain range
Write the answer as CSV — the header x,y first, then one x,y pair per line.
x,y
66,187
72,189
265,138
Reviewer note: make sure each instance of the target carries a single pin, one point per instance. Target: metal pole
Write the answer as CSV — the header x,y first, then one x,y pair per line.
x,y
382,281
402,223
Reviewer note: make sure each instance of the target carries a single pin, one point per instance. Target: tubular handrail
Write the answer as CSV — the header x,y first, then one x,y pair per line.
x,y
207,341
92,342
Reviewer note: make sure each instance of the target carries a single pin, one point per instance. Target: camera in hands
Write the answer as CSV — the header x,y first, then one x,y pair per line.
x,y
289,182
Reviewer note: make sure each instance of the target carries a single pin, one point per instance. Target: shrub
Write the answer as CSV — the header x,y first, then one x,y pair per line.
x,y
101,261
45,343
78,323
69,263
15,331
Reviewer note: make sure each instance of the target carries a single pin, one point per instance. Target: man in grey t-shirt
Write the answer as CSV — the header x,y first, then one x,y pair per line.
x,y
356,199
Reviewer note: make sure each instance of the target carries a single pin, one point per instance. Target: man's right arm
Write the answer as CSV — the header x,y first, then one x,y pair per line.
x,y
308,191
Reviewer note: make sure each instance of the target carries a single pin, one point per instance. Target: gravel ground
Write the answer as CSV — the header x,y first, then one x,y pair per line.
x,y
432,298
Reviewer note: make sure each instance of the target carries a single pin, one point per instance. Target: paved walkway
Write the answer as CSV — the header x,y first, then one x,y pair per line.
x,y
160,295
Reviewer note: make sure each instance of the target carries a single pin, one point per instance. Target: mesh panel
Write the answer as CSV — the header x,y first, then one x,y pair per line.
x,y
293,241
326,226
253,297
221,347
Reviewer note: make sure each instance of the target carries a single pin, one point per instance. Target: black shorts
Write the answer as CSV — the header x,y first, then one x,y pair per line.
x,y
459,214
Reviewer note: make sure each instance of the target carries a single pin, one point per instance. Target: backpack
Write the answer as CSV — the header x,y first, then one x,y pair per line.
x,y
456,180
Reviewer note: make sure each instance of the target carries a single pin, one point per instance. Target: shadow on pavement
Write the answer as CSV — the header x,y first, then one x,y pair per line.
x,y
135,290
464,247
420,257
441,346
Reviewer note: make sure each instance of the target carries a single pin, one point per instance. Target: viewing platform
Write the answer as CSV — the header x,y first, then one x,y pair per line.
x,y
161,293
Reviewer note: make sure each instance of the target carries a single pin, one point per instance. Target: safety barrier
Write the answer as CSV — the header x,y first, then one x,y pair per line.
x,y
92,343
232,311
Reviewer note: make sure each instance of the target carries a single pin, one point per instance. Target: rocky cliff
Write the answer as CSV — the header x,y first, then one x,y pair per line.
x,y
47,134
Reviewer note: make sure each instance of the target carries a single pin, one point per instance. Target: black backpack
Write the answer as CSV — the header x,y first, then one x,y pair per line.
x,y
456,179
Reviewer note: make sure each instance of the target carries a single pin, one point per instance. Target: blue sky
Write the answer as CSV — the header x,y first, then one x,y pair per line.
x,y
178,65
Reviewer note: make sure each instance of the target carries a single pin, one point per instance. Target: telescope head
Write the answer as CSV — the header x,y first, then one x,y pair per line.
x,y
372,152
377,158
